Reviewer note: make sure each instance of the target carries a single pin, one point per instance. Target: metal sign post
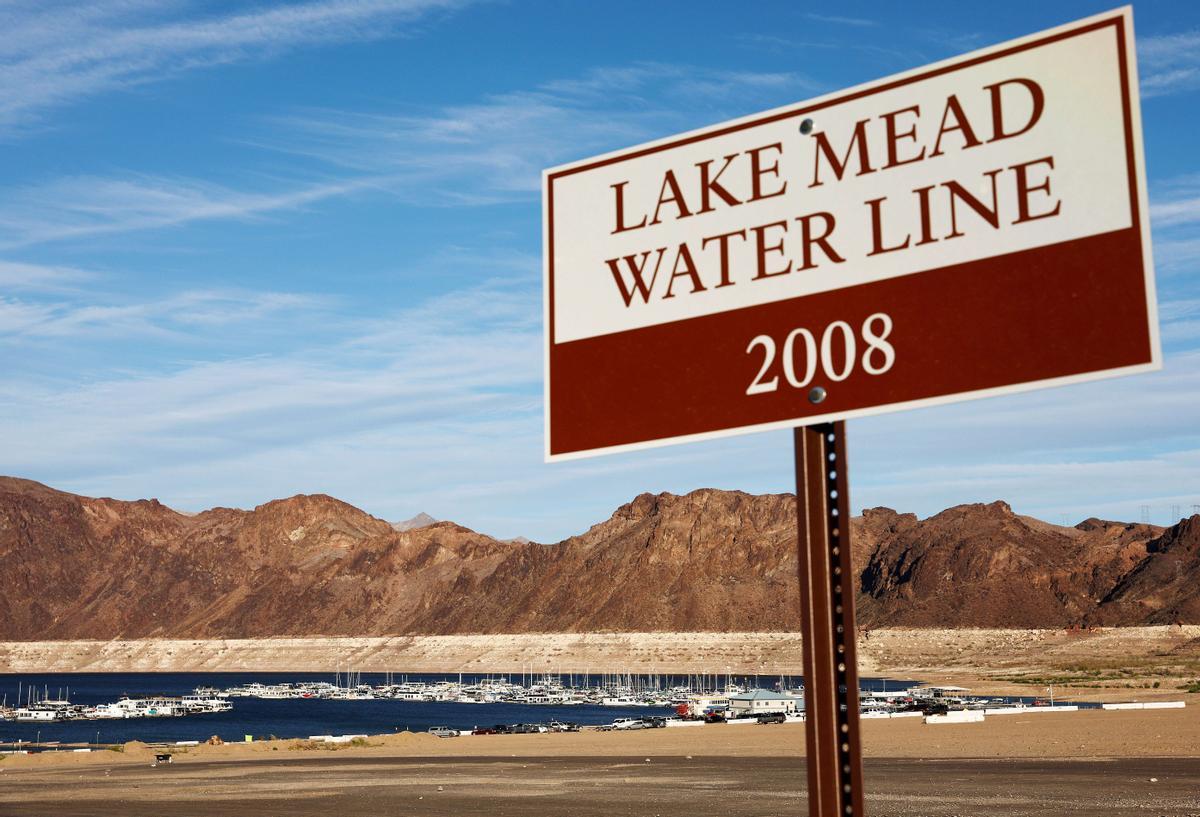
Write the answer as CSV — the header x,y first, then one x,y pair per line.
x,y
833,751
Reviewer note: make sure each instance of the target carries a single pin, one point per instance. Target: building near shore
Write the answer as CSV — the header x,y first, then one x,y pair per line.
x,y
762,702
698,705
938,692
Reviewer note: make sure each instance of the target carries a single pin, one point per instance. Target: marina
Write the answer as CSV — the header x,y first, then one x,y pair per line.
x,y
105,708
38,707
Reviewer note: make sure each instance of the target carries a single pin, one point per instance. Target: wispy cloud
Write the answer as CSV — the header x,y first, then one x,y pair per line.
x,y
953,40
1174,212
481,153
436,406
1173,255
1089,421
80,206
1169,63
194,312
409,393
803,46
55,53
1180,320
844,21
17,317
1176,201
495,149
18,275
885,49
1177,310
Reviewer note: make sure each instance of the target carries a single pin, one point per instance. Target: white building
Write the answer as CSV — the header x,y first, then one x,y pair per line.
x,y
761,702
696,705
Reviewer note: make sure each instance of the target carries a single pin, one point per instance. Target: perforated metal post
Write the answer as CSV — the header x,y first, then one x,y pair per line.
x,y
827,580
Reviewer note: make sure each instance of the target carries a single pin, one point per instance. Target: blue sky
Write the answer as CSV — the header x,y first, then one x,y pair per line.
x,y
253,250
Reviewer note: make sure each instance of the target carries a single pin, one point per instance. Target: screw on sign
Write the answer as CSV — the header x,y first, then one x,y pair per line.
x,y
971,228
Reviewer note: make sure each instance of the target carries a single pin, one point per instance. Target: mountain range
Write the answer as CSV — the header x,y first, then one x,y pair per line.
x,y
77,567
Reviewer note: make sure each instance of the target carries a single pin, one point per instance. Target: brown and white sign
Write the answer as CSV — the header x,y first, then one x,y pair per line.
x,y
972,228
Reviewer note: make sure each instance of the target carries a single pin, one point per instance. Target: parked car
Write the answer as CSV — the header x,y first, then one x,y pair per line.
x,y
443,731
654,722
528,728
629,723
483,730
772,717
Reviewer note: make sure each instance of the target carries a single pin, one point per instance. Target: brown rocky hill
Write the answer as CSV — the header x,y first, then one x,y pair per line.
x,y
75,567
1164,588
985,566
711,560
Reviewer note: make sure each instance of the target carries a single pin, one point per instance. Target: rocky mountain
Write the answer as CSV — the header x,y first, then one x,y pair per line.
x,y
419,521
711,560
1163,588
76,567
983,565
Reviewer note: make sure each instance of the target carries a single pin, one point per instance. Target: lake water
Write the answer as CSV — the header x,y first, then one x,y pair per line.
x,y
292,718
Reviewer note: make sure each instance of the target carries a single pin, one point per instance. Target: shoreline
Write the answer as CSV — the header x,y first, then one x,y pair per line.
x,y
1095,762
1086,734
1135,663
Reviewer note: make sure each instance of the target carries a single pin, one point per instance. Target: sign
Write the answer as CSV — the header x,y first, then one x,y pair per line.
x,y
972,228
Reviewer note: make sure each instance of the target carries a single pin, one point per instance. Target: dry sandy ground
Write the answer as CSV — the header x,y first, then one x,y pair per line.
x,y
608,786
1085,763
1109,664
